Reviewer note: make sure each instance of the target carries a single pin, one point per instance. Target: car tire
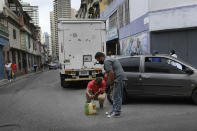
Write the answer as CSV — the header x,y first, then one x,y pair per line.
x,y
124,96
194,96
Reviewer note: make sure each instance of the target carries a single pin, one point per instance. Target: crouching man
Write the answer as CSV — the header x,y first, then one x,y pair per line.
x,y
96,91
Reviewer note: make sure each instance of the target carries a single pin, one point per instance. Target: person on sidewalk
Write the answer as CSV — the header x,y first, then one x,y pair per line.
x,y
8,70
116,76
173,54
96,91
35,67
13,66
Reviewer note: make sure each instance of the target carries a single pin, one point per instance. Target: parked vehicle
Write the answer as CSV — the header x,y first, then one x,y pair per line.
x,y
53,65
79,40
167,76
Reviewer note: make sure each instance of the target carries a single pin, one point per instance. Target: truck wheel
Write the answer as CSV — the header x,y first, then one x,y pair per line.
x,y
194,96
63,83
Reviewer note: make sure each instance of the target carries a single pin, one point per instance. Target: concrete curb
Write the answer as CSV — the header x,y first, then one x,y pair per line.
x,y
6,82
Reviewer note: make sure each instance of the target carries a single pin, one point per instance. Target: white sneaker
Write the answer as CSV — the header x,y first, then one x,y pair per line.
x,y
108,112
113,115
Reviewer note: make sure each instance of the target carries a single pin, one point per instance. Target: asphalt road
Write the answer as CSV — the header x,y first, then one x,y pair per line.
x,y
38,103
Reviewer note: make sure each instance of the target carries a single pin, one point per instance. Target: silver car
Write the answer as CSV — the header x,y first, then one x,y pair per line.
x,y
158,75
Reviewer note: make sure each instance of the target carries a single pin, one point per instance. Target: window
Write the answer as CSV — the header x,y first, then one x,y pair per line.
x,y
29,42
163,65
13,57
14,33
113,20
19,60
131,64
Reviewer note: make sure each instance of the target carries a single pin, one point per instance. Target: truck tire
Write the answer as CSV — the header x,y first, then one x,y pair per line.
x,y
63,83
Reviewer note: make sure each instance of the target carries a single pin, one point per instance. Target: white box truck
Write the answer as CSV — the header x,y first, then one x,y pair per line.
x,y
79,40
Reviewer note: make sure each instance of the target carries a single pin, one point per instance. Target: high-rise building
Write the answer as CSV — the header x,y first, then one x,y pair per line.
x,y
62,9
73,13
50,47
32,11
52,26
46,39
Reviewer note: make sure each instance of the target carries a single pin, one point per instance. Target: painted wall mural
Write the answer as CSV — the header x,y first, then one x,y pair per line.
x,y
137,44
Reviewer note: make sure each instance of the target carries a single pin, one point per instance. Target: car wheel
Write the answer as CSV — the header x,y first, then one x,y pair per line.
x,y
194,96
124,96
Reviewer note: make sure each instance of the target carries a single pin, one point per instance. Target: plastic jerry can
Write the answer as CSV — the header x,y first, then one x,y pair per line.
x,y
94,108
86,109
90,108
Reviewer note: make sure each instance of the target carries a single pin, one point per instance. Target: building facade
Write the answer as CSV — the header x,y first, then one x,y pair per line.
x,y
32,11
142,26
91,9
52,27
4,40
24,47
117,15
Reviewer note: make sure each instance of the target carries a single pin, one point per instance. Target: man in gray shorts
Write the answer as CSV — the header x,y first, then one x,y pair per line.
x,y
116,75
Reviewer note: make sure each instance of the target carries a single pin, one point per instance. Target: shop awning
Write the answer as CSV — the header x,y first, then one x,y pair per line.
x,y
3,41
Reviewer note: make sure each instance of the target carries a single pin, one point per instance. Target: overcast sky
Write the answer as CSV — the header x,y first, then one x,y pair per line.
x,y
45,6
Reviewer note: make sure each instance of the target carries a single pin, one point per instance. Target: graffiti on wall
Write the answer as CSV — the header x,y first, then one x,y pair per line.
x,y
137,44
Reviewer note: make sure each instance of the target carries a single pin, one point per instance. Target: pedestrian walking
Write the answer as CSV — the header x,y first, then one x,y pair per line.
x,y
116,76
8,70
35,67
14,68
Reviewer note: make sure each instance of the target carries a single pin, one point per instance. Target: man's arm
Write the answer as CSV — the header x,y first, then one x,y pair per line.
x,y
108,68
87,92
111,76
88,89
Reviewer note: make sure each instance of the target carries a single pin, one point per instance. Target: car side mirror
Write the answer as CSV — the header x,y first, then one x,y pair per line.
x,y
189,71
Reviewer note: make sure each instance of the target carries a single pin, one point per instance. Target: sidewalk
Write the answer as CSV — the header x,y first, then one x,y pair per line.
x,y
5,82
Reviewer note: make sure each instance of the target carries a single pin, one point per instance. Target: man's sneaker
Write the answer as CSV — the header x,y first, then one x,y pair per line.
x,y
108,113
113,115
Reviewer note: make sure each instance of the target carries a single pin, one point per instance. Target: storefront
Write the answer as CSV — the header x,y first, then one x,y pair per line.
x,y
2,43
112,44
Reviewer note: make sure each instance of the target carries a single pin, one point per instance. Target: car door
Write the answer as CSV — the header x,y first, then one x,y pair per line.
x,y
131,67
163,78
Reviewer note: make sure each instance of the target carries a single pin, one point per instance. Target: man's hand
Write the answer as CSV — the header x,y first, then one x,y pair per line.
x,y
91,96
101,91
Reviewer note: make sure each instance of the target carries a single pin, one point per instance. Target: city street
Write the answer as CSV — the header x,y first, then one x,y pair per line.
x,y
38,103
